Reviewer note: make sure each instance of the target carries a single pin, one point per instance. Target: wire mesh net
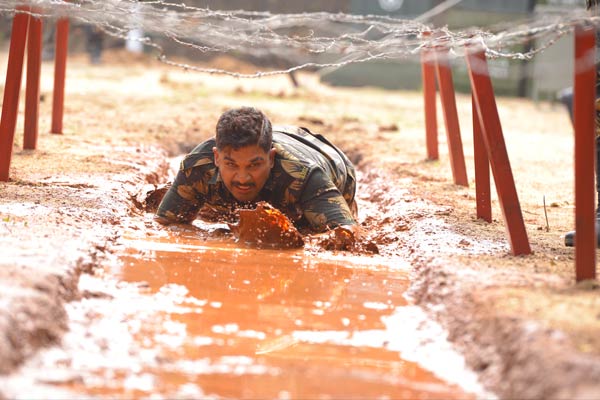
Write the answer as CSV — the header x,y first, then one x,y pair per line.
x,y
300,41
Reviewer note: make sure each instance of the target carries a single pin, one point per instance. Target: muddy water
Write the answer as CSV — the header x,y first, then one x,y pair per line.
x,y
205,317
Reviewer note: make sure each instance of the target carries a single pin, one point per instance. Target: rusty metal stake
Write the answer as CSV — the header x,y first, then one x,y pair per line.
x,y
583,117
483,198
32,91
429,98
10,102
455,149
60,67
493,138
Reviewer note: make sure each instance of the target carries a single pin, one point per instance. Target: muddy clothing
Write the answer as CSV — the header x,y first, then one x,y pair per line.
x,y
312,182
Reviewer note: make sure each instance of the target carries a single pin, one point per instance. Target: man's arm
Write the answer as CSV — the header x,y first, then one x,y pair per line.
x,y
323,205
182,201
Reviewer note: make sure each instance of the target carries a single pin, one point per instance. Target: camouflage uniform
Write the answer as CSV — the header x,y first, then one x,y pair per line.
x,y
312,182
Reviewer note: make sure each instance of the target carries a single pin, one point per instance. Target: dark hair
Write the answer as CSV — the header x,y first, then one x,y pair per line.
x,y
244,126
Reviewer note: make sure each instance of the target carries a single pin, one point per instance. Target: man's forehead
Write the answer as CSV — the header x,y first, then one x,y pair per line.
x,y
249,153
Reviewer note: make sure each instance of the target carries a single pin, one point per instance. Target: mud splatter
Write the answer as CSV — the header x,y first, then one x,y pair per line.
x,y
266,226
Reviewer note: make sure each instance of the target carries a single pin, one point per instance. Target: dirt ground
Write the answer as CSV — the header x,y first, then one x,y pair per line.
x,y
522,322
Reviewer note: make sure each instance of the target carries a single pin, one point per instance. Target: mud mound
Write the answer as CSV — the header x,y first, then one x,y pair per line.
x,y
266,226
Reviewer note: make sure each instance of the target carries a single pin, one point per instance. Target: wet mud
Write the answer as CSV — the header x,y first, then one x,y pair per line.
x,y
266,227
193,311
68,203
151,320
200,316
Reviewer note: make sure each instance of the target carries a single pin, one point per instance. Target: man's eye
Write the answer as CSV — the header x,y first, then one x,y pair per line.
x,y
230,164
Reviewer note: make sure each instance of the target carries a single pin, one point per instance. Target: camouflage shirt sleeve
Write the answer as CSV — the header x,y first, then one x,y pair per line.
x,y
184,199
323,205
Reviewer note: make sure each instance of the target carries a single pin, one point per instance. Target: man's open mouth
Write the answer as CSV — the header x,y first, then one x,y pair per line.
x,y
244,188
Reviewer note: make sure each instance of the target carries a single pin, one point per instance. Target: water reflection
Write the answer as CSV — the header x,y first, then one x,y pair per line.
x,y
267,324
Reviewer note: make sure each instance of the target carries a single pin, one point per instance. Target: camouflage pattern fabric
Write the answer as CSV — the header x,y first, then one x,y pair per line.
x,y
312,183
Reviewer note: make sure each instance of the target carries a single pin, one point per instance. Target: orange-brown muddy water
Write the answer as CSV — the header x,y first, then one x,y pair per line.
x,y
190,315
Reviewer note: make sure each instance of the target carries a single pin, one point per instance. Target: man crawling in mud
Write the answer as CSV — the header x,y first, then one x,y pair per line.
x,y
248,162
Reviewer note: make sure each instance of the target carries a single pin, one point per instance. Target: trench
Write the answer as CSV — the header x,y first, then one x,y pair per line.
x,y
185,312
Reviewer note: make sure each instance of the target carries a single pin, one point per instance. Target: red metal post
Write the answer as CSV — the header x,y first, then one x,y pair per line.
x,y
583,117
12,86
455,149
428,77
493,138
32,92
482,170
60,67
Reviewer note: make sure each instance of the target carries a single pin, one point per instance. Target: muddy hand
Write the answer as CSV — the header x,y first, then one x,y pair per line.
x,y
340,238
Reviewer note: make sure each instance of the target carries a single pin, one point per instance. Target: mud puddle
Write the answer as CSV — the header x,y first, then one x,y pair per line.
x,y
185,313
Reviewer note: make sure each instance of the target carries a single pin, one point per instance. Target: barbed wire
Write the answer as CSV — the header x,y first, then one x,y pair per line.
x,y
299,41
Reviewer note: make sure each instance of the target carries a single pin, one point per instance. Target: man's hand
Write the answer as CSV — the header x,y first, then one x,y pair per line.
x,y
162,220
347,238
340,238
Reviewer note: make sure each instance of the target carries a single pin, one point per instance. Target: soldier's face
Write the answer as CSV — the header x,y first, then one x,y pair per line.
x,y
244,171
